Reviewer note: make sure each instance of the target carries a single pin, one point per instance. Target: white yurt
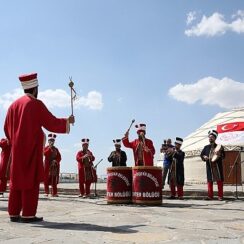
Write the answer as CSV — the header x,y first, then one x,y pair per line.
x,y
232,139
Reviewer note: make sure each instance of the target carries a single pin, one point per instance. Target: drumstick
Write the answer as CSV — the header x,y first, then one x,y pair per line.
x,y
132,122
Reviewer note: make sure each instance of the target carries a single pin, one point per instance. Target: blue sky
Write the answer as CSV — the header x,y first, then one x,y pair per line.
x,y
130,56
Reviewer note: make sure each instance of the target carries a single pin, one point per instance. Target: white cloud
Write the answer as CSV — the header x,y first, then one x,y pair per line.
x,y
93,101
216,25
57,99
190,17
7,98
225,93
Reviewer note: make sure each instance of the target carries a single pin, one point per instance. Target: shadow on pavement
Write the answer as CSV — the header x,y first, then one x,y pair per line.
x,y
87,227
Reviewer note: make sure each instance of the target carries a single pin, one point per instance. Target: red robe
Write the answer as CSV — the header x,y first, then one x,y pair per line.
x,y
23,127
4,160
51,154
82,168
147,156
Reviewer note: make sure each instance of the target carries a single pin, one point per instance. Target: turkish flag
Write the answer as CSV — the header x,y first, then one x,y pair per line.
x,y
234,126
231,133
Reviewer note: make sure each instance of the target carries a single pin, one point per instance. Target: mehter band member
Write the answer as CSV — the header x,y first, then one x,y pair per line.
x,y
176,172
23,128
51,166
213,155
117,157
4,164
142,147
86,170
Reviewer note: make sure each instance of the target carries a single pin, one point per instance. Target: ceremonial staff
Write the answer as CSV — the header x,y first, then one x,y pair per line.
x,y
132,122
72,95
127,132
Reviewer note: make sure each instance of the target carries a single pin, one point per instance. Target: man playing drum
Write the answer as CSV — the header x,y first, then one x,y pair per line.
x,y
86,170
117,157
213,155
51,166
143,148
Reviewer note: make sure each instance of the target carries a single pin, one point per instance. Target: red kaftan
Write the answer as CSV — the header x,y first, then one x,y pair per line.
x,y
23,127
5,156
147,156
82,167
50,155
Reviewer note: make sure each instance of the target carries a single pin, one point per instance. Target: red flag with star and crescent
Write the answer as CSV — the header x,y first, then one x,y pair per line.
x,y
231,133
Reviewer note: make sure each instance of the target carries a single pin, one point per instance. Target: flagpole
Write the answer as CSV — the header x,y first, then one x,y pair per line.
x,y
71,85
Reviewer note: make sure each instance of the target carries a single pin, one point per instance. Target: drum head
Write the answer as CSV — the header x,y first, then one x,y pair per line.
x,y
215,156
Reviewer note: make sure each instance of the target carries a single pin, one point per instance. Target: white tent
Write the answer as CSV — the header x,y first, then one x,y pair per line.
x,y
193,144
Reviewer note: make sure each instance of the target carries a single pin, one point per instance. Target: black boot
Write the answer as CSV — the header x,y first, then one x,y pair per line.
x,y
15,219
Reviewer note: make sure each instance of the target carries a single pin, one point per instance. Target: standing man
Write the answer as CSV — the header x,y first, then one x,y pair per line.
x,y
169,143
176,171
4,164
85,160
117,157
142,147
23,128
166,162
214,168
51,166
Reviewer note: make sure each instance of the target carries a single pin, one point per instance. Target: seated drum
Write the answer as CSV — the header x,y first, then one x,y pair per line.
x,y
147,185
119,184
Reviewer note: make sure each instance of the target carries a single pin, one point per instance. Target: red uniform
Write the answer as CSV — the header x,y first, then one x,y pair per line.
x,y
4,164
23,127
86,172
51,169
147,157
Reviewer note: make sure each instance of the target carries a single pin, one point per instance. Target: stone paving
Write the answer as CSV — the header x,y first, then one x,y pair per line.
x,y
69,219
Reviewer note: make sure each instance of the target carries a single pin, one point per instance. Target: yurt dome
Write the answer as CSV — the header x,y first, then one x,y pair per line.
x,y
231,135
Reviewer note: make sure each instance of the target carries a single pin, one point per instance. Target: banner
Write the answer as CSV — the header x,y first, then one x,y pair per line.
x,y
231,133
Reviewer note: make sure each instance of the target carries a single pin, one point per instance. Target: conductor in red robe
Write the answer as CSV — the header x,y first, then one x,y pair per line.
x,y
23,127
142,147
85,161
4,164
51,166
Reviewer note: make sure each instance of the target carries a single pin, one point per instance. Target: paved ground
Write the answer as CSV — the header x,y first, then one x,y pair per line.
x,y
69,219
190,189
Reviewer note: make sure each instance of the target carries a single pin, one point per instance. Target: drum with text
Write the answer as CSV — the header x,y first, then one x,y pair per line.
x,y
119,184
147,185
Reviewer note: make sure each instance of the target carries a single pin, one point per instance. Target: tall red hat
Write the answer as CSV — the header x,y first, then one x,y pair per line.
x,y
28,81
141,128
85,141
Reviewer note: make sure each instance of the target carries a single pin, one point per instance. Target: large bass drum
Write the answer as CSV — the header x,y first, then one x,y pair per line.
x,y
147,185
119,184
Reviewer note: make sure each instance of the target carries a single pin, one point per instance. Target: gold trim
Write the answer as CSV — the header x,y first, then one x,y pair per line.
x,y
119,201
147,202
147,167
119,168
67,127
